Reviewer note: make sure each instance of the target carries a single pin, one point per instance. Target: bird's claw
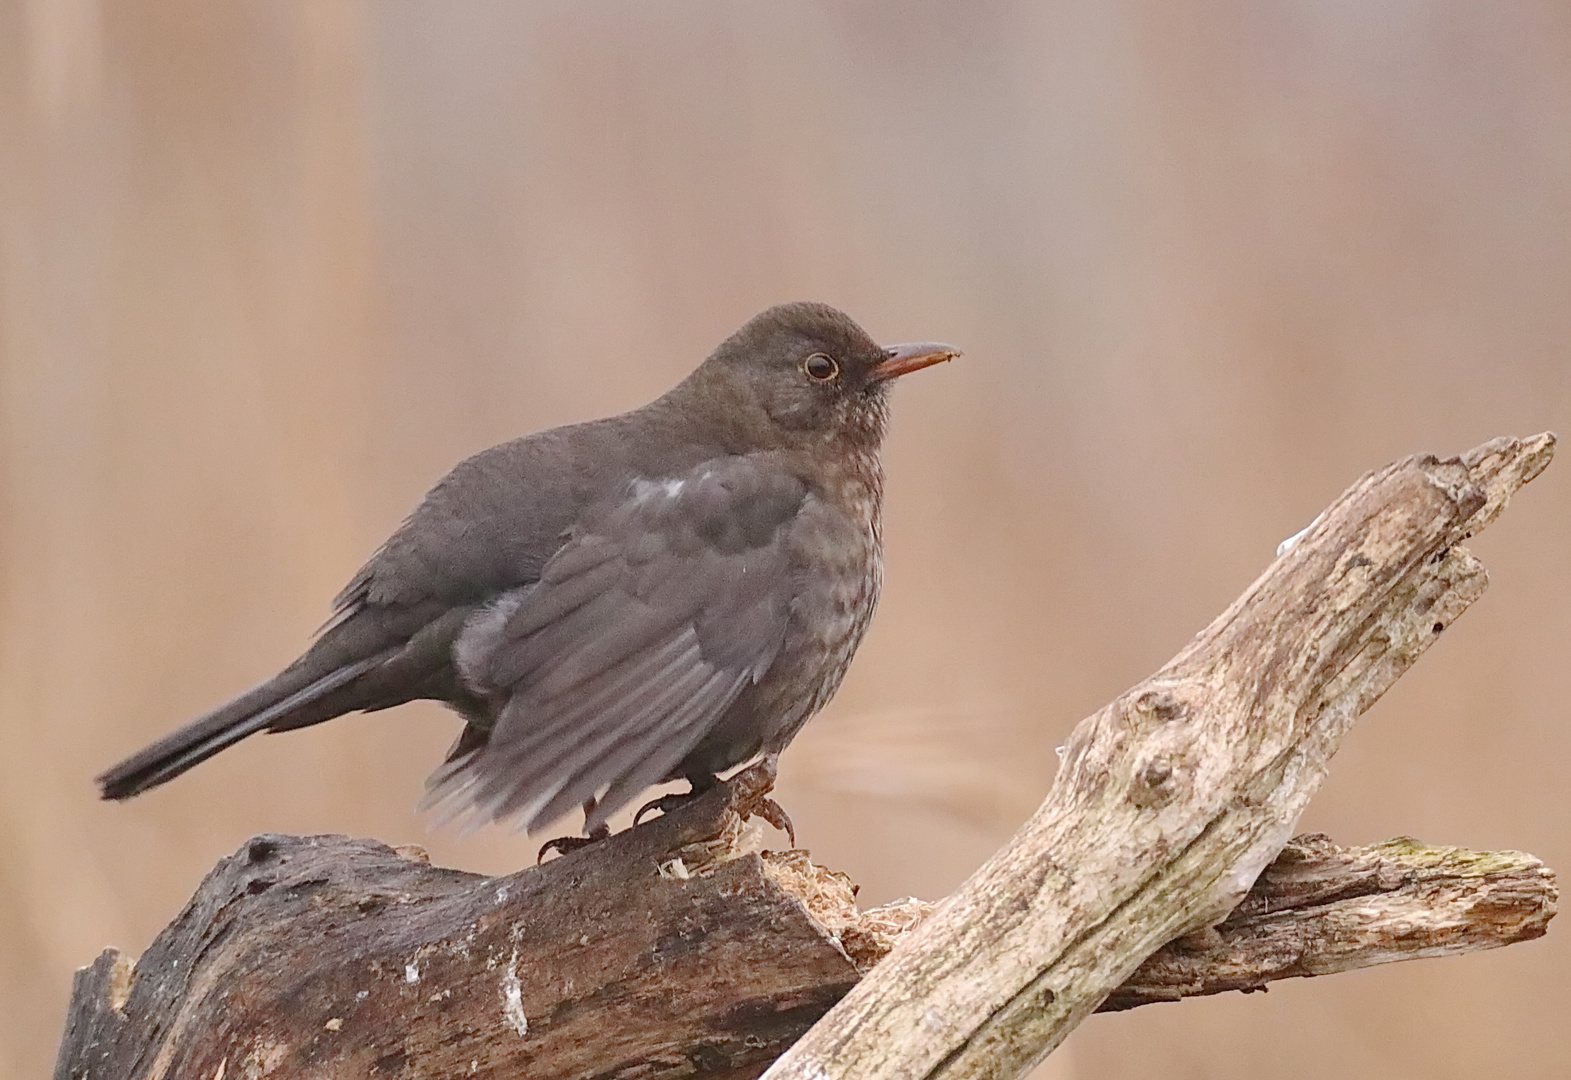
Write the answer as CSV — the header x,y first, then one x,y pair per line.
x,y
566,845
665,804
753,786
775,814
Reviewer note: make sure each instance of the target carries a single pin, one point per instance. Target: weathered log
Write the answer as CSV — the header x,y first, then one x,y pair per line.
x,y
327,956
671,950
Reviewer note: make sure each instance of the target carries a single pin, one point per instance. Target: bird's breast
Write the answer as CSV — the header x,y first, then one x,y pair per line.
x,y
834,550
837,561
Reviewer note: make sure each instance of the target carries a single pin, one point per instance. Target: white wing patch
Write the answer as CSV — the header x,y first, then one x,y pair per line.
x,y
645,490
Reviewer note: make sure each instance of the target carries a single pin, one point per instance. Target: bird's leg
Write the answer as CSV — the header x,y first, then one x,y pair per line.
x,y
566,845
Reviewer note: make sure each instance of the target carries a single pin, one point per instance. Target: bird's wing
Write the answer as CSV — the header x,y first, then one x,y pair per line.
x,y
639,634
488,526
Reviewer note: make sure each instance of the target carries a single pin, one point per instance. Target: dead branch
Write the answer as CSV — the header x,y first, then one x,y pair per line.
x,y
1320,909
1175,796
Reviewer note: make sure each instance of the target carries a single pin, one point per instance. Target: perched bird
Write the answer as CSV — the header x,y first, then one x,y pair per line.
x,y
654,596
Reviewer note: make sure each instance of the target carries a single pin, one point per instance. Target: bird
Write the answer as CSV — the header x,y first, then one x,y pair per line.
x,y
650,597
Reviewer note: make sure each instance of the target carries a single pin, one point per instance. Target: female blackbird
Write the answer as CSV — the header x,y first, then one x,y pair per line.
x,y
652,596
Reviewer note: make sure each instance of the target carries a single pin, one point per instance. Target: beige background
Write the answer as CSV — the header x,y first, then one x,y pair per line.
x,y
268,269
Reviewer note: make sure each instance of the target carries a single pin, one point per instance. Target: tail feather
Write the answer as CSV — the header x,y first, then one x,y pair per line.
x,y
251,712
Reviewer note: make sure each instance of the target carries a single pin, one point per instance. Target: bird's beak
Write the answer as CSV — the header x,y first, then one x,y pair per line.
x,y
904,359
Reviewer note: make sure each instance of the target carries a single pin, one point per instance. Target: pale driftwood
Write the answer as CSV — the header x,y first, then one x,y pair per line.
x,y
681,955
670,951
1320,909
1174,797
1316,910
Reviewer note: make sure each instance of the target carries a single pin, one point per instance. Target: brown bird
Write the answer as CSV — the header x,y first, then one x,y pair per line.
x,y
654,596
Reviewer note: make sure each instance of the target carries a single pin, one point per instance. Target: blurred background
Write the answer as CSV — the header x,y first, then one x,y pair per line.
x,y
268,269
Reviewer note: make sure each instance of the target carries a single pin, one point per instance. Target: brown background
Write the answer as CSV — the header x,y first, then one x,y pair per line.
x,y
268,269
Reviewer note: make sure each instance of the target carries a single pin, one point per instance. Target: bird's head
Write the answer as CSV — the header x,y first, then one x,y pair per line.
x,y
805,373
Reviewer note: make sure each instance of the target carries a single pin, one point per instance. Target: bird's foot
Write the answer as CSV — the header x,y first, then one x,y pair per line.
x,y
566,845
666,803
757,805
751,786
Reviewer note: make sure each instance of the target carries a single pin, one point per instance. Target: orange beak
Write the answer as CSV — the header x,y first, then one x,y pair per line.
x,y
904,359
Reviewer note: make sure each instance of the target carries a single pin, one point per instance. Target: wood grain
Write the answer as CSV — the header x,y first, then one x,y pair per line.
x,y
1175,796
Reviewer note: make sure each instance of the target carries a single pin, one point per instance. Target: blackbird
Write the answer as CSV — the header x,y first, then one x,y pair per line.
x,y
654,596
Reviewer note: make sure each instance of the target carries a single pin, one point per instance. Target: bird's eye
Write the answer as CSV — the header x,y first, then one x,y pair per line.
x,y
821,368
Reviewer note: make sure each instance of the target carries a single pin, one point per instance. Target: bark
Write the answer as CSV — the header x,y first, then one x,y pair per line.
x,y
654,953
673,949
328,956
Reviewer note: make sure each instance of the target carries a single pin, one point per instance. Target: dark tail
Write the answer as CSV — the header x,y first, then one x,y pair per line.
x,y
279,702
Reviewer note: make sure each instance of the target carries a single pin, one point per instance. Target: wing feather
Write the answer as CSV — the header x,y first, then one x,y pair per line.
x,y
641,632
659,753
642,754
581,736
